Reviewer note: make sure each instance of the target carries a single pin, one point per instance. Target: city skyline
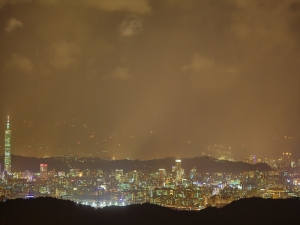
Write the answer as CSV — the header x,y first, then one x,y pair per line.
x,y
188,184
149,79
194,185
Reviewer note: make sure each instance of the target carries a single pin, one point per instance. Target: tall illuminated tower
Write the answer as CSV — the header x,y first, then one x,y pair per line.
x,y
44,171
161,177
7,157
179,171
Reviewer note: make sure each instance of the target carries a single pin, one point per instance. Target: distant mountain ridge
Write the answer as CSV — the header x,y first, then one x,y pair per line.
x,y
203,164
55,211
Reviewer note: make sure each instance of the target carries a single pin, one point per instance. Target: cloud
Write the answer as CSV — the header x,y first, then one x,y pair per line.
x,y
64,54
118,74
206,74
130,26
21,63
199,64
13,24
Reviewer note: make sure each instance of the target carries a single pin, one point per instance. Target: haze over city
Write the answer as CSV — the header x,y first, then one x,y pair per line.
x,y
150,79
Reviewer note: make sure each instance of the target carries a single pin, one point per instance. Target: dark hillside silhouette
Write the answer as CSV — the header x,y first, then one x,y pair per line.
x,y
44,211
203,164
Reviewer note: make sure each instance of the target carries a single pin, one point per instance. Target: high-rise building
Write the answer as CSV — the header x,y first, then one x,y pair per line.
x,y
7,146
118,174
44,171
161,178
179,171
193,173
74,172
178,164
135,176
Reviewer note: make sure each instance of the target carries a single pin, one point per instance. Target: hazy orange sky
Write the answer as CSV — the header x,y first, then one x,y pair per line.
x,y
166,72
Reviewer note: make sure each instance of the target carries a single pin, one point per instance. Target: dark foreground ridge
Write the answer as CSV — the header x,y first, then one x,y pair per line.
x,y
44,211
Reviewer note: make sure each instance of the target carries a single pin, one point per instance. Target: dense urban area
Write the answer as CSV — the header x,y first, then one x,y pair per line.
x,y
172,187
111,182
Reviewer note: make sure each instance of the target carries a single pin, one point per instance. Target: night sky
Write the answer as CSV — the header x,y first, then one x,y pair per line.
x,y
150,79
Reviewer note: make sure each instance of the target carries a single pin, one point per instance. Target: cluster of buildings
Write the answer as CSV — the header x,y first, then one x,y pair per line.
x,y
172,187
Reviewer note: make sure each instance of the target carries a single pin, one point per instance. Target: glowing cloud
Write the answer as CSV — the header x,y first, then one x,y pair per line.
x,y
13,24
118,74
130,26
20,62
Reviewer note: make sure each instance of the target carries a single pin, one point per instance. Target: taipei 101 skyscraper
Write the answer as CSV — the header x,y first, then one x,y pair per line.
x,y
7,156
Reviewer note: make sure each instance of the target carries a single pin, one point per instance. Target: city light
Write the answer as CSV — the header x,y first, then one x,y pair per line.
x,y
179,104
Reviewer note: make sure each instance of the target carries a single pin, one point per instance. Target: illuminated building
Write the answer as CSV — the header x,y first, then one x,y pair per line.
x,y
286,156
44,171
118,174
250,159
62,173
161,179
178,164
7,151
27,175
275,193
74,172
285,161
179,171
193,172
135,176
43,189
